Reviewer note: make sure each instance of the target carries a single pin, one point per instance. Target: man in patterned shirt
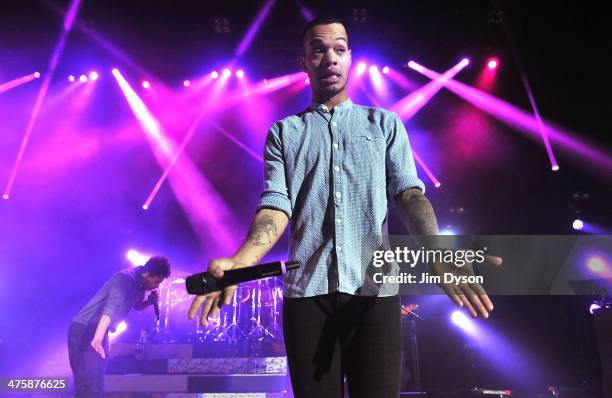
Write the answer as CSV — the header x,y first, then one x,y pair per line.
x,y
88,332
331,170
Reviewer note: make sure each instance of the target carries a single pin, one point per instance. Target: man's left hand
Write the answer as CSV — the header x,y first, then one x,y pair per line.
x,y
471,296
96,344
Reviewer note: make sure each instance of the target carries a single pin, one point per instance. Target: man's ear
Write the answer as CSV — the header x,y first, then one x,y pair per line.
x,y
302,62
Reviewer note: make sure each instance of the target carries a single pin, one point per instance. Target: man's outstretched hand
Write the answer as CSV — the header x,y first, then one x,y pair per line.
x,y
212,302
471,296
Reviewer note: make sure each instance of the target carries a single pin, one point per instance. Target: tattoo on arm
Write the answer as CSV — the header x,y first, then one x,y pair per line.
x,y
263,231
416,213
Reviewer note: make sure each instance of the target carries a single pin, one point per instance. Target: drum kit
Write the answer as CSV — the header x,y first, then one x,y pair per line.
x,y
254,315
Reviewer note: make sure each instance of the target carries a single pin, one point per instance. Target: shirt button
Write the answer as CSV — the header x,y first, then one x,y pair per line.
x,y
334,124
335,146
339,220
338,194
339,248
369,138
337,168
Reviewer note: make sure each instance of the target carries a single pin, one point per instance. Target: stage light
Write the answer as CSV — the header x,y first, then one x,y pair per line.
x,y
464,62
594,307
492,64
307,81
71,78
186,83
240,74
136,258
5,196
555,167
448,231
596,264
37,75
462,321
83,79
361,68
376,78
214,74
145,207
425,168
227,73
114,71
385,70
416,67
146,84
121,327
577,224
94,76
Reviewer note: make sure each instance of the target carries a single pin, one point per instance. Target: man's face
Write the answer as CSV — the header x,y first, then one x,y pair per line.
x,y
327,59
151,282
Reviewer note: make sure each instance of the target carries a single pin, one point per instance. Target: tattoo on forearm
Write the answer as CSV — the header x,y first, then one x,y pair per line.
x,y
263,231
418,215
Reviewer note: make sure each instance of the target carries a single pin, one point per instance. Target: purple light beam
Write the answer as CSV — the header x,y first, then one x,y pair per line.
x,y
17,82
42,93
408,106
252,32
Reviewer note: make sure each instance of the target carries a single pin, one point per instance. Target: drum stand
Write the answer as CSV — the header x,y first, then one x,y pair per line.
x,y
258,332
233,332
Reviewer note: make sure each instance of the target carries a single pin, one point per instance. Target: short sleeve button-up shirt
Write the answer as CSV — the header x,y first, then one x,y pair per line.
x,y
333,174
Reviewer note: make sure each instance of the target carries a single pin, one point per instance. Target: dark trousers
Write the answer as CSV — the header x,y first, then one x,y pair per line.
x,y
335,335
87,365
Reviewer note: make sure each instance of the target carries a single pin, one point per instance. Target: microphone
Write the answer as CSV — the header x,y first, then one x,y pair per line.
x,y
204,283
156,308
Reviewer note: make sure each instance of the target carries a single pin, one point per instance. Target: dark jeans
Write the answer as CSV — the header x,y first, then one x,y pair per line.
x,y
337,334
87,365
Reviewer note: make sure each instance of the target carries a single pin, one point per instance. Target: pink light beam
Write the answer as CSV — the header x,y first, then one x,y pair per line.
x,y
261,88
17,82
146,119
255,26
523,121
42,93
408,106
418,159
203,206
541,128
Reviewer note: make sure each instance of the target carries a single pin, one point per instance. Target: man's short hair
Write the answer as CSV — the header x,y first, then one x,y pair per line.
x,y
321,20
157,266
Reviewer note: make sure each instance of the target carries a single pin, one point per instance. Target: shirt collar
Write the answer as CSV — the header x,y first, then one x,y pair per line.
x,y
347,103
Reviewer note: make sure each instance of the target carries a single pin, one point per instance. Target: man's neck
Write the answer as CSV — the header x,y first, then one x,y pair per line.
x,y
331,102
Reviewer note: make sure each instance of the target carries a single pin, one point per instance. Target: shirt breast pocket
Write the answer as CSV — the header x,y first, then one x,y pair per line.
x,y
367,152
